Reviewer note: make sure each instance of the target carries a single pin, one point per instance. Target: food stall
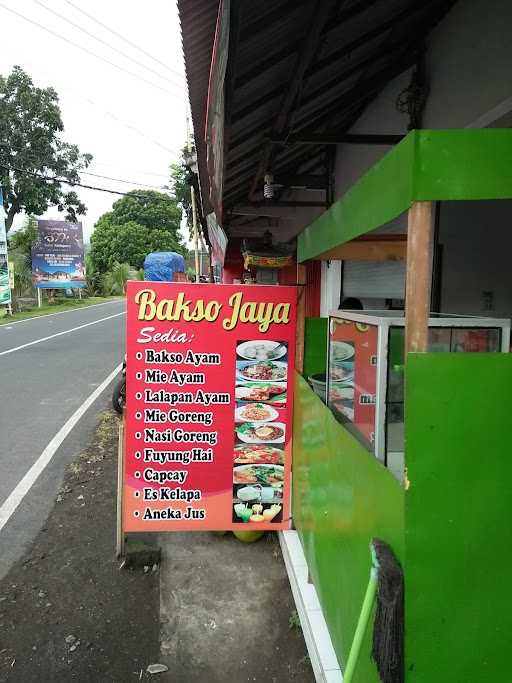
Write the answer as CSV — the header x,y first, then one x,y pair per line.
x,y
449,516
365,377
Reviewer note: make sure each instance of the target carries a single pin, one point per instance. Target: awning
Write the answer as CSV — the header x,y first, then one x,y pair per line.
x,y
427,165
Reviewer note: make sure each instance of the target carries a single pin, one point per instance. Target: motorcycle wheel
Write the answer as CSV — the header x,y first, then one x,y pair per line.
x,y
118,396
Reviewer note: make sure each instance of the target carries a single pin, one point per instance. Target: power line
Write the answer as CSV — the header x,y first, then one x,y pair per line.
x,y
104,42
114,117
121,37
87,51
126,182
52,179
117,166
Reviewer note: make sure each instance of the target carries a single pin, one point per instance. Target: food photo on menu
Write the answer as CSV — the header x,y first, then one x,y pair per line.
x,y
258,458
341,377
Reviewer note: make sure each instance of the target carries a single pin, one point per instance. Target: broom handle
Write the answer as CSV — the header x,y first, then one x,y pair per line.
x,y
364,618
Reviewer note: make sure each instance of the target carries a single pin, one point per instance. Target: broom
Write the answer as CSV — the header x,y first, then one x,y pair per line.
x,y
387,584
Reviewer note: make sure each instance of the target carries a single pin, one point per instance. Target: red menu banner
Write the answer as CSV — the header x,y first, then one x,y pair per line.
x,y
209,405
353,373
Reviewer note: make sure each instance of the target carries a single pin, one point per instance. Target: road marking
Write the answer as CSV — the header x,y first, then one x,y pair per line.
x,y
49,315
16,496
59,334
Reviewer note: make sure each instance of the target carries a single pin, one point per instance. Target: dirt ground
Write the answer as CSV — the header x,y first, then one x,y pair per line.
x,y
67,612
228,613
216,610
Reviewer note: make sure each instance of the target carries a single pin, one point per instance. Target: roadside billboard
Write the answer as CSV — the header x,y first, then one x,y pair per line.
x,y
5,290
209,405
58,256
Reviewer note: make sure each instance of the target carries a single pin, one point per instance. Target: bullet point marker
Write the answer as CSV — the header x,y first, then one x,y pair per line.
x,y
138,355
137,454
138,416
139,375
137,494
137,475
136,513
138,435
138,396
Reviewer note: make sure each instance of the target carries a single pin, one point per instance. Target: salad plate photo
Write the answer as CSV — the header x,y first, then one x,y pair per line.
x,y
265,475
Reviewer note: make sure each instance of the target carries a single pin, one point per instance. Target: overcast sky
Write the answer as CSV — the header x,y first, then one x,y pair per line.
x,y
133,129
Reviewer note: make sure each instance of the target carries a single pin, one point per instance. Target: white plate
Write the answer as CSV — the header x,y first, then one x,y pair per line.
x,y
243,392
242,468
342,394
272,413
341,351
247,439
278,363
265,346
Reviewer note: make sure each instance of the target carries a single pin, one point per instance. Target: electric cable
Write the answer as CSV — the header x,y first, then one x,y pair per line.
x,y
123,38
122,180
104,42
52,179
87,51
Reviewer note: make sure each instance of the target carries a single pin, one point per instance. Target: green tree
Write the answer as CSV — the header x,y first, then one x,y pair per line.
x,y
154,210
20,255
22,273
30,128
93,278
181,179
180,187
140,223
23,239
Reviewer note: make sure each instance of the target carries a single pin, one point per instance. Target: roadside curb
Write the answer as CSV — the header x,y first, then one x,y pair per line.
x,y
318,640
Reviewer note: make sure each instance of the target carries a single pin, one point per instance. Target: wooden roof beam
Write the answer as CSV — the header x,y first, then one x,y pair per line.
x,y
314,28
307,138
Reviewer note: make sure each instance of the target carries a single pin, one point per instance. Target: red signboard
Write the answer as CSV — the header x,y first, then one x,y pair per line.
x,y
353,373
209,393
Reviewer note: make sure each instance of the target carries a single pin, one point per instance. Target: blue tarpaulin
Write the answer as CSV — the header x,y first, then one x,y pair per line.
x,y
161,266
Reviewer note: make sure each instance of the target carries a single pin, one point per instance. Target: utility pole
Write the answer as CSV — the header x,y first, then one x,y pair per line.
x,y
196,236
192,164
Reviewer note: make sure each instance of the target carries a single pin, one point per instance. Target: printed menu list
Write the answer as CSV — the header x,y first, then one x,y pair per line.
x,y
193,444
193,414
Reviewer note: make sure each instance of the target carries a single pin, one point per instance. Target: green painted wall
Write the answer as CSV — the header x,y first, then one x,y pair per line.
x,y
463,164
426,165
459,518
315,346
342,497
366,205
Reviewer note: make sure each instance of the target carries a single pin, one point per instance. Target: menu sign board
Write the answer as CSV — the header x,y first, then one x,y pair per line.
x,y
209,392
353,373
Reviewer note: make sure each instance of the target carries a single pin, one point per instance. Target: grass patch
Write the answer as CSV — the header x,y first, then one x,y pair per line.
x,y
294,620
59,305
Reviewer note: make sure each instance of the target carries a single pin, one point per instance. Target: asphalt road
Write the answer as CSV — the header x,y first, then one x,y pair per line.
x,y
44,379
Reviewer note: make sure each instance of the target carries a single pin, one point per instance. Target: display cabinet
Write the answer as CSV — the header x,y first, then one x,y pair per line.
x,y
365,370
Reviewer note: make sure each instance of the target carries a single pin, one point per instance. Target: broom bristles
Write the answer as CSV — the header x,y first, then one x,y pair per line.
x,y
388,630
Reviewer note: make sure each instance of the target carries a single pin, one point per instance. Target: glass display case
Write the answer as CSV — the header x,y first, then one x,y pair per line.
x,y
365,370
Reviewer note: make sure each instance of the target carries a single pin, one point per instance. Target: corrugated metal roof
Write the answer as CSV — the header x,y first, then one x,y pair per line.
x,y
363,44
198,20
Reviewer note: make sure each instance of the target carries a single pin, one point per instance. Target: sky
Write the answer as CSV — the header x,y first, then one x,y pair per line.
x,y
134,124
